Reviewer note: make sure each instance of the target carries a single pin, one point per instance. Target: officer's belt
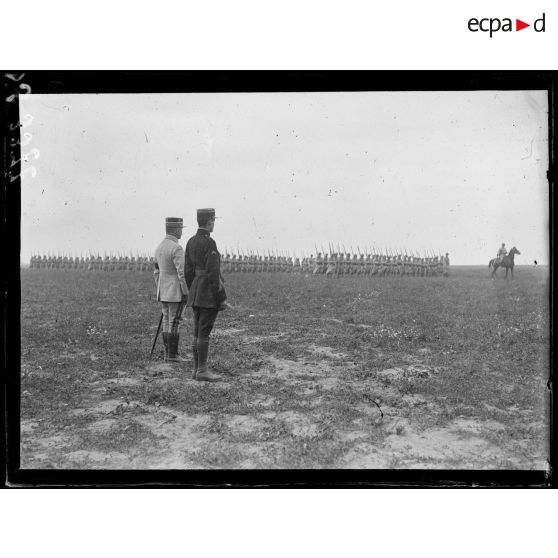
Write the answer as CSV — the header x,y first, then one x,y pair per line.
x,y
200,271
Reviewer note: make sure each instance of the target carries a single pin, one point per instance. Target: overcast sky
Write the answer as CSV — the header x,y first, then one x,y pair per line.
x,y
450,171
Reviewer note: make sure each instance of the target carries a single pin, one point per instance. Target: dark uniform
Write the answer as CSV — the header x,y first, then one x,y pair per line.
x,y
446,265
206,294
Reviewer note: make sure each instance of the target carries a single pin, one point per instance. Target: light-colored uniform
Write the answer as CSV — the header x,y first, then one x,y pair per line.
x,y
446,265
171,284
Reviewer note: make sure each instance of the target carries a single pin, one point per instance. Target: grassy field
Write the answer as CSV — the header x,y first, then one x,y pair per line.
x,y
354,373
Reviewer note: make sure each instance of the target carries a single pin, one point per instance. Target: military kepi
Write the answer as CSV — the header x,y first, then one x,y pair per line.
x,y
174,222
207,213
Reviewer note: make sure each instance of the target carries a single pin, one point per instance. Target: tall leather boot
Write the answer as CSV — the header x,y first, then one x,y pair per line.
x,y
166,344
203,374
173,339
195,358
178,355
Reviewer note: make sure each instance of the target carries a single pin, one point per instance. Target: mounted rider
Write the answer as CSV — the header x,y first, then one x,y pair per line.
x,y
502,252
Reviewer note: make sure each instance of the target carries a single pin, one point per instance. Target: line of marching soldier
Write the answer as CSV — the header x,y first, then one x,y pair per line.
x,y
338,264
92,263
331,265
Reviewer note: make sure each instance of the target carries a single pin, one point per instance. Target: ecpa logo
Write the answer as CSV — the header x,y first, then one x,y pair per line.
x,y
493,25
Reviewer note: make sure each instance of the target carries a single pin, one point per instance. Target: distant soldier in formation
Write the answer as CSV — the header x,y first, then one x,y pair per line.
x,y
367,266
310,264
331,270
446,265
354,265
226,263
318,264
340,271
361,265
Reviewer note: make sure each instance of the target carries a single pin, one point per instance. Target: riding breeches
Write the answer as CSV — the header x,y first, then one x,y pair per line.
x,y
172,316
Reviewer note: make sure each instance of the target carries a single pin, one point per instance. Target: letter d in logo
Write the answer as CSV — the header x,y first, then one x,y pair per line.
x,y
539,24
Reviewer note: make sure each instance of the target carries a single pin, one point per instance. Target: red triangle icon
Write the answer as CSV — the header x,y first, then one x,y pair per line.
x,y
519,25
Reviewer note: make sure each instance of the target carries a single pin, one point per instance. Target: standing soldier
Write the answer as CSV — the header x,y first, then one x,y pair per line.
x,y
354,264
400,265
207,292
367,265
290,264
252,264
311,263
361,267
446,265
318,264
340,267
171,285
331,267
348,264
374,264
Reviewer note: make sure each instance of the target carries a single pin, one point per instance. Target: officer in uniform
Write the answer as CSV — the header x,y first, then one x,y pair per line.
x,y
206,294
446,265
171,285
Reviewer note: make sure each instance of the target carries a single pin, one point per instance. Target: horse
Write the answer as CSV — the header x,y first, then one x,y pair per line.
x,y
507,262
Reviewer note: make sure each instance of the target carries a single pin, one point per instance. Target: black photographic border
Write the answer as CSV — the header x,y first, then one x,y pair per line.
x,y
235,81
